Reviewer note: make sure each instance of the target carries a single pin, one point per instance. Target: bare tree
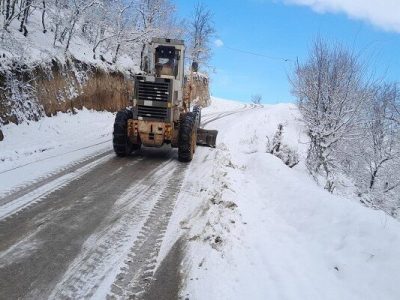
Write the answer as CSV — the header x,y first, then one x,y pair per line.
x,y
200,33
395,104
256,99
16,9
353,125
156,19
79,7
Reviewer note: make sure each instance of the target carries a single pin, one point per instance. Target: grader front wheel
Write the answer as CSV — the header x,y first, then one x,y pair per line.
x,y
187,137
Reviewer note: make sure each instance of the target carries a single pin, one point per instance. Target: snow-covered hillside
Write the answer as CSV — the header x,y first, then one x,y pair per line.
x,y
266,231
102,33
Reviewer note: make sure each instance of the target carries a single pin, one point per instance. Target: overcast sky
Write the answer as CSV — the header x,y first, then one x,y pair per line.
x,y
258,41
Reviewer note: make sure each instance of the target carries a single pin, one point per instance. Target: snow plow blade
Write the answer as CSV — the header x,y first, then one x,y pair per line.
x,y
207,137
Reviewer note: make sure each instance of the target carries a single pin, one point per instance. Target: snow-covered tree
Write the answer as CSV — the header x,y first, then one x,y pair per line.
x,y
376,155
353,125
330,89
114,27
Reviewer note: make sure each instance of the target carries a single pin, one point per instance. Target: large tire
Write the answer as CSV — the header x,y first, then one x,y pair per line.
x,y
187,137
121,143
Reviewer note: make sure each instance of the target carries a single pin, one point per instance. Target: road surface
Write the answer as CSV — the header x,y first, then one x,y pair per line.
x,y
95,229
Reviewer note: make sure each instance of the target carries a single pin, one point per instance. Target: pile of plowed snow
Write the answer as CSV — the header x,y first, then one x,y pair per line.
x,y
258,229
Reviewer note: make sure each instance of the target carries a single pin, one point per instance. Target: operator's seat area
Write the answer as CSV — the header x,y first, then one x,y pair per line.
x,y
166,56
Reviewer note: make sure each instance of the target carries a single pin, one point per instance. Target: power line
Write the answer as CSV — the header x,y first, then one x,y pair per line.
x,y
258,54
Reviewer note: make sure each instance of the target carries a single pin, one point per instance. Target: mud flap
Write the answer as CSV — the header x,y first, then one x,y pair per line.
x,y
206,137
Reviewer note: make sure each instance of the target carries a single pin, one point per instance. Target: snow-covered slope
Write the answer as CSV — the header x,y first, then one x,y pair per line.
x,y
261,230
38,48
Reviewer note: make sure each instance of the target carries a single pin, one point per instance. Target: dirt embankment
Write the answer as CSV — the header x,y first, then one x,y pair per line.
x,y
29,93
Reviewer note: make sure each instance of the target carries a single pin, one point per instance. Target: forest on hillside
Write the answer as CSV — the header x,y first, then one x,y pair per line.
x,y
109,28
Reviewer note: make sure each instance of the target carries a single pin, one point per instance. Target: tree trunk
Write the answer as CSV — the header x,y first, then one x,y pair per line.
x,y
71,31
13,8
8,9
116,53
142,56
43,13
25,18
373,177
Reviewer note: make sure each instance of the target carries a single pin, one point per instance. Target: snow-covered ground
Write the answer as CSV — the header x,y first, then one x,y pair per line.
x,y
45,147
255,228
260,230
33,150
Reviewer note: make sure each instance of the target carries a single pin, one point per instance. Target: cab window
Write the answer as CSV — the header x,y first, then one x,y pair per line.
x,y
167,60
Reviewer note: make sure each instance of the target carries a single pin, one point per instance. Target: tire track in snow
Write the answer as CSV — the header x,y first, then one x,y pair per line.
x,y
138,272
142,211
54,156
50,235
39,193
208,118
28,186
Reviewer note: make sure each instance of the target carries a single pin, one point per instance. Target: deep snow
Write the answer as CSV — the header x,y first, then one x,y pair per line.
x,y
260,230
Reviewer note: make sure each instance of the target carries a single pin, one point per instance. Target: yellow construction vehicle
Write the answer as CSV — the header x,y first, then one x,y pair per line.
x,y
161,111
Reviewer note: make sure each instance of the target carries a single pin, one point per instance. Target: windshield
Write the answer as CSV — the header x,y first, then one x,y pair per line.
x,y
167,60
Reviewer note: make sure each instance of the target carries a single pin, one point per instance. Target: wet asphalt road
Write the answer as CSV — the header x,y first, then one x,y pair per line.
x,y
39,243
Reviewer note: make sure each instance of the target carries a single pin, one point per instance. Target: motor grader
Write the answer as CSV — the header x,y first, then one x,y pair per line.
x,y
161,111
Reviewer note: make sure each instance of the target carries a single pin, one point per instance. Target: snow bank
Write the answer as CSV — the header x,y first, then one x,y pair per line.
x,y
43,147
265,231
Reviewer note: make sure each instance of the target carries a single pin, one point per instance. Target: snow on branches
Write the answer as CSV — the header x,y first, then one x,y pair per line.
x,y
111,27
352,122
281,150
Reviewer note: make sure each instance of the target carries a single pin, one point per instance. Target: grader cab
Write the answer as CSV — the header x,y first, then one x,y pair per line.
x,y
161,111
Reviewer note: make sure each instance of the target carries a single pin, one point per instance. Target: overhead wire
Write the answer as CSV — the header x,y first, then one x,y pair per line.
x,y
257,54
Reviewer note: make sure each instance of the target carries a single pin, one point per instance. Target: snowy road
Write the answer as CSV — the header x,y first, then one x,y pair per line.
x,y
93,229
236,223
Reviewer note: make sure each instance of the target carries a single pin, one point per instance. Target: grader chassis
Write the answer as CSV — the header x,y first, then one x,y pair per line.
x,y
161,112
